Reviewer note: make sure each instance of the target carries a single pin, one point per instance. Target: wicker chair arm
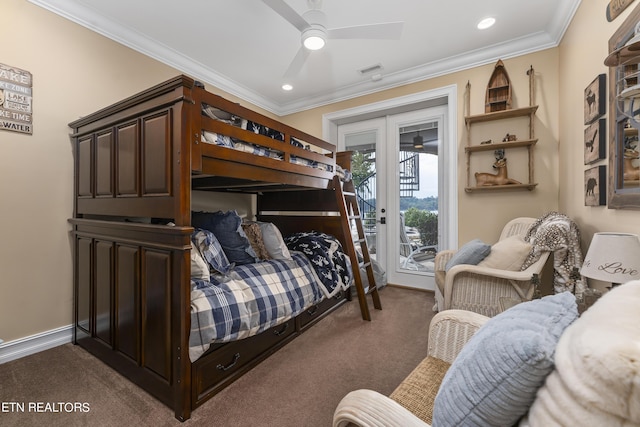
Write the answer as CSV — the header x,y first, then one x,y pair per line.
x,y
368,408
477,288
450,330
442,257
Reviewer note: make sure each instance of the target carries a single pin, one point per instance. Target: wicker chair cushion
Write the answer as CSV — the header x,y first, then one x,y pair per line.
x,y
470,253
494,379
508,254
418,391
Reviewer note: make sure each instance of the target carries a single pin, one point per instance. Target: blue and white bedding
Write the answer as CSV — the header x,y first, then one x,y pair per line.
x,y
252,298
228,142
329,260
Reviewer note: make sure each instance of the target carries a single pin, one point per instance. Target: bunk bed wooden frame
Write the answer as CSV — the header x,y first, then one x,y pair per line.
x,y
141,158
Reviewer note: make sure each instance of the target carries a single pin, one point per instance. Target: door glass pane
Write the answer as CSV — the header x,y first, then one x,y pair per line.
x,y
363,168
418,190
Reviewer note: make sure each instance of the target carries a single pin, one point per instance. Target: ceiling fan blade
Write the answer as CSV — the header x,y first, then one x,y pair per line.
x,y
287,12
297,63
388,30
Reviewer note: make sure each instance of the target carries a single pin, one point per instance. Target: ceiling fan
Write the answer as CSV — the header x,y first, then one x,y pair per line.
x,y
314,32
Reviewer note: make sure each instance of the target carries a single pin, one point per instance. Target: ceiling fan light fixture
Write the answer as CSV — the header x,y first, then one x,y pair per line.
x,y
314,38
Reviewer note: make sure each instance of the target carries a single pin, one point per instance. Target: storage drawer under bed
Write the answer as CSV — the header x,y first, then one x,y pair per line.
x,y
307,317
215,370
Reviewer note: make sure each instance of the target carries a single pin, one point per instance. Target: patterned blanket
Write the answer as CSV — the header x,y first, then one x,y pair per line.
x,y
557,233
328,258
255,297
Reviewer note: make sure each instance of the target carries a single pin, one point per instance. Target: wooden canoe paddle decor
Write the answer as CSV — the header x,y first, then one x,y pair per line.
x,y
615,8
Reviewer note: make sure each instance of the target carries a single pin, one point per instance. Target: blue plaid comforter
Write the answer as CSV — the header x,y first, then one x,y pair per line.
x,y
256,297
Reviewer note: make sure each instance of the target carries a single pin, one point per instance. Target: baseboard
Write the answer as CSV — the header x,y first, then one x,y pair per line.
x,y
12,350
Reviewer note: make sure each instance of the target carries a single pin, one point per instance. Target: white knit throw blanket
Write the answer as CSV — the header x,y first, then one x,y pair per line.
x,y
557,233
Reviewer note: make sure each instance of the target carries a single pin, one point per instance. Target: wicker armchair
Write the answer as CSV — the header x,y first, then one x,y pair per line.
x,y
484,290
449,331
594,378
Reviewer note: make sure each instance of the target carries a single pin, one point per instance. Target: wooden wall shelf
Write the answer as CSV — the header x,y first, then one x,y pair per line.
x,y
501,145
501,187
499,115
528,144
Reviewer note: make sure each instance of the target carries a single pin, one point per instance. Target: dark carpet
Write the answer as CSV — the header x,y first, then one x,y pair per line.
x,y
298,386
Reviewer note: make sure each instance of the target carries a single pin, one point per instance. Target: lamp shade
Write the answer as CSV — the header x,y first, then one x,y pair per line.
x,y
613,257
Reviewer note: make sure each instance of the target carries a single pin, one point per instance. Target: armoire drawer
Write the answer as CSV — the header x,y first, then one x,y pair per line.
x,y
308,316
227,362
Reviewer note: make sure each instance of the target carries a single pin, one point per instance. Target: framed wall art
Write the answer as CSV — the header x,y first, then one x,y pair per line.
x,y
595,141
595,193
595,96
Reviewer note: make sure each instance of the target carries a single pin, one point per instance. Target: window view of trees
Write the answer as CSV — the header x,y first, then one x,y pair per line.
x,y
426,222
421,213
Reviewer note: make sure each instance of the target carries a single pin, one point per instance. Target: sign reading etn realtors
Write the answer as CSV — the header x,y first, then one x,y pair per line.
x,y
16,98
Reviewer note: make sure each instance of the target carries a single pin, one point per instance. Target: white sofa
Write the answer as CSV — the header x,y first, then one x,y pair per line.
x,y
594,377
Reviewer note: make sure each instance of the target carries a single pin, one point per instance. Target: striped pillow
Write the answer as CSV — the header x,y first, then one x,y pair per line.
x,y
494,379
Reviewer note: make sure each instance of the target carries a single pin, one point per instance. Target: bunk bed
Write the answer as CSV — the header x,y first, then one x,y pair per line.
x,y
137,163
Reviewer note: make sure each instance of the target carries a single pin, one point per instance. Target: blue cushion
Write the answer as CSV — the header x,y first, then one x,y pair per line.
x,y
211,250
470,253
227,227
494,379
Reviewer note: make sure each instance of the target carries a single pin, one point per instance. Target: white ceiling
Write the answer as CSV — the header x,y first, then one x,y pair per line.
x,y
244,47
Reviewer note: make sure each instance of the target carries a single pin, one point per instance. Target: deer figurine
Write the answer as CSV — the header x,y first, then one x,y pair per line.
x,y
501,178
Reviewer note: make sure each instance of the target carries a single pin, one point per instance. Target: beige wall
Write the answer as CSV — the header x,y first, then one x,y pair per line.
x,y
482,215
582,54
77,72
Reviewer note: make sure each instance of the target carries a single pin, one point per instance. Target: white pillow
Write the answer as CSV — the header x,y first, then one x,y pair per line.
x,y
596,381
199,268
273,241
507,254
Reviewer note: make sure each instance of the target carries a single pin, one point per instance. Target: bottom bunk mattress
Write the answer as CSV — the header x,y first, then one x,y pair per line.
x,y
252,298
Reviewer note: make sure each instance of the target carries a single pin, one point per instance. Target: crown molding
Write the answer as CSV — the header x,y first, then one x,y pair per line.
x,y
92,20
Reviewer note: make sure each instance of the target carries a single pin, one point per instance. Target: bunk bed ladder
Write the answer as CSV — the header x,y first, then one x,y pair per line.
x,y
349,211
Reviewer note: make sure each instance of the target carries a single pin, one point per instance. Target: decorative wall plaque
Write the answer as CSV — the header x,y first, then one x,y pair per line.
x,y
16,99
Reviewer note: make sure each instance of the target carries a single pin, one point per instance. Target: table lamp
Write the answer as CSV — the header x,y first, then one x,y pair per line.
x,y
613,257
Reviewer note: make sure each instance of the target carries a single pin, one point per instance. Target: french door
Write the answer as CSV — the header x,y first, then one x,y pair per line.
x,y
397,167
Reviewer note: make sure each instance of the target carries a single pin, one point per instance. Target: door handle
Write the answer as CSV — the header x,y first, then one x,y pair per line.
x,y
383,220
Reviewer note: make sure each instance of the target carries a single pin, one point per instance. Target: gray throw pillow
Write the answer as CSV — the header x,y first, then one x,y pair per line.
x,y
494,379
470,253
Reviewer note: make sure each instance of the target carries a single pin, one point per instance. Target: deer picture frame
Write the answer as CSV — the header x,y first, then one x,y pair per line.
x,y
595,96
595,140
595,188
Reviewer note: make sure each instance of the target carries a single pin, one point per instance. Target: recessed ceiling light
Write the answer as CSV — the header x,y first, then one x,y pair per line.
x,y
287,86
486,23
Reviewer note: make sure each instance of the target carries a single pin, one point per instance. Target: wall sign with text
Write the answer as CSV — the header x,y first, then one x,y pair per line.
x,y
16,99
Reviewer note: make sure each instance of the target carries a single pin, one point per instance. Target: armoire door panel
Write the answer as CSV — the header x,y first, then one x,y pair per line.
x,y
104,281
104,164
83,277
127,334
156,312
85,162
156,144
127,157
